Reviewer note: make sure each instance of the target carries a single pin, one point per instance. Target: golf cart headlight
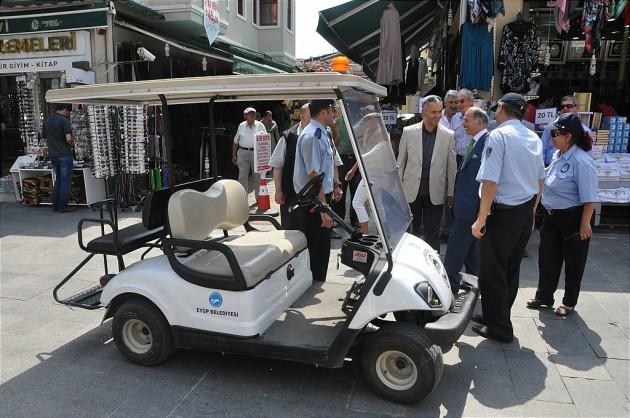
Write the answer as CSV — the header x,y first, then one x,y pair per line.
x,y
427,293
434,260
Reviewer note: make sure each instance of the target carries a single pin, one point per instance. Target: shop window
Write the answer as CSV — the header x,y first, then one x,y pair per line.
x,y
290,15
240,8
268,10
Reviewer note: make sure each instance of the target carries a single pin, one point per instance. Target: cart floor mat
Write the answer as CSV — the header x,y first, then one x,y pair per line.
x,y
314,320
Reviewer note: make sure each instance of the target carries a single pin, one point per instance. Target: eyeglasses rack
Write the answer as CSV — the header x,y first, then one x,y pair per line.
x,y
29,121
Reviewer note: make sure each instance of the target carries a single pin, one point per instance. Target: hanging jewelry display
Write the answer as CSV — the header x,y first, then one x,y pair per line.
x,y
133,139
103,138
81,134
29,123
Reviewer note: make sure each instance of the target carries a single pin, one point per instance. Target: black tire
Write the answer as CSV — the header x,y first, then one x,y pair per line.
x,y
404,348
142,334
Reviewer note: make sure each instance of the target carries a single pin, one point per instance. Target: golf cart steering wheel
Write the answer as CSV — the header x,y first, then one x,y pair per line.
x,y
309,193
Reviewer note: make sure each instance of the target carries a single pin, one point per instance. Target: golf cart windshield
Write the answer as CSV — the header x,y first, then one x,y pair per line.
x,y
378,166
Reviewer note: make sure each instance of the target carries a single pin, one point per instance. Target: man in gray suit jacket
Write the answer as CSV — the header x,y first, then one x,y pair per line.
x,y
427,167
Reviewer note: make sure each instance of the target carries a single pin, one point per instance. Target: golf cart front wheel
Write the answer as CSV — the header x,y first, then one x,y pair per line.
x,y
142,334
401,363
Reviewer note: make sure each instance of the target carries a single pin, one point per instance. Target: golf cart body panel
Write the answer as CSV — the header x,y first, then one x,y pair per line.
x,y
242,313
413,263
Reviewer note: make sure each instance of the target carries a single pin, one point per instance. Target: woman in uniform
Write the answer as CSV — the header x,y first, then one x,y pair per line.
x,y
569,200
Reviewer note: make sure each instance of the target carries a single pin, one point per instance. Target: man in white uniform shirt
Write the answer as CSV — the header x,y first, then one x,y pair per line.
x,y
243,150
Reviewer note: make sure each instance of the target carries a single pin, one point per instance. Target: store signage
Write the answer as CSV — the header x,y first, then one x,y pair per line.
x,y
389,117
262,153
29,54
38,44
211,19
51,22
544,116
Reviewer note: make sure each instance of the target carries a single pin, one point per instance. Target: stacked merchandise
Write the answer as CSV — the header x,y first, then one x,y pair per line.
x,y
30,191
133,139
619,134
613,176
29,121
45,189
81,134
101,120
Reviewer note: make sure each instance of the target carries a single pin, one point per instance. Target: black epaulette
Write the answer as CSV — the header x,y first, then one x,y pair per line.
x,y
318,133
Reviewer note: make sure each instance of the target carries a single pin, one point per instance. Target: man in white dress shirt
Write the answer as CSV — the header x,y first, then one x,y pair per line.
x,y
243,150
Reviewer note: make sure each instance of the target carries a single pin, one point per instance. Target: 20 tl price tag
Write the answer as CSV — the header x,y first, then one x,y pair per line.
x,y
545,116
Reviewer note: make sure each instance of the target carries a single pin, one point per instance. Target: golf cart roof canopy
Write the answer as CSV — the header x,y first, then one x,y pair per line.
x,y
221,88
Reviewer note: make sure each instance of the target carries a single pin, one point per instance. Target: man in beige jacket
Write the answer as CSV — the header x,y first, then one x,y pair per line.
x,y
427,167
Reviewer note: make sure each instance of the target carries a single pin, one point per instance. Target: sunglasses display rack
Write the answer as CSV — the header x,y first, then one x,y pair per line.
x,y
30,120
81,134
103,137
133,139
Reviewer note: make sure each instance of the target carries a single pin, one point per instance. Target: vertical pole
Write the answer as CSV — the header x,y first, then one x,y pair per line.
x,y
166,126
213,140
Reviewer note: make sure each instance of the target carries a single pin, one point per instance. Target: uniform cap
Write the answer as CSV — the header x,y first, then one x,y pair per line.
x,y
513,100
569,122
249,110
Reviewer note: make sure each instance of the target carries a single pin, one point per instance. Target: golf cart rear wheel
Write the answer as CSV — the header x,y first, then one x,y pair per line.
x,y
401,363
142,334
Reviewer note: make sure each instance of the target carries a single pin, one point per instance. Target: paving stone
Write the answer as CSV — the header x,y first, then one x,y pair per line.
x,y
596,398
480,357
491,393
563,337
534,408
535,377
526,336
587,367
620,371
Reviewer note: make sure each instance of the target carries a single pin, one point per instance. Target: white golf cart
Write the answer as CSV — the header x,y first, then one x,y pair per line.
x,y
252,293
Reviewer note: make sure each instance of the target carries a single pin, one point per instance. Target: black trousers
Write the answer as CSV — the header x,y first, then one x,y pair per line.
x,y
428,216
559,244
317,239
340,206
501,251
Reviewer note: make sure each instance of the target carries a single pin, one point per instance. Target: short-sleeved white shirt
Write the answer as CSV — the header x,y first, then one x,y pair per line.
x,y
246,135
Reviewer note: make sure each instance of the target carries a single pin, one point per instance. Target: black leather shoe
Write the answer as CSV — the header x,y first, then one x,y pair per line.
x,y
478,319
485,333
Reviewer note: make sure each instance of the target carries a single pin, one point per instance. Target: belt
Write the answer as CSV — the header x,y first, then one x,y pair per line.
x,y
246,149
557,211
501,206
347,155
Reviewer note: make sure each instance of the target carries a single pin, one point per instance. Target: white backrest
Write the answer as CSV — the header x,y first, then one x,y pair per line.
x,y
194,215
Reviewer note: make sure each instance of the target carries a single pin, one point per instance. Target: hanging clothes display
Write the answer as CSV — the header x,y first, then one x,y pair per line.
x,y
390,67
477,58
485,11
517,56
411,75
594,17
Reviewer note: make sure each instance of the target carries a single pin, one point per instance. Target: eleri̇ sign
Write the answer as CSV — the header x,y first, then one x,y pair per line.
x,y
38,44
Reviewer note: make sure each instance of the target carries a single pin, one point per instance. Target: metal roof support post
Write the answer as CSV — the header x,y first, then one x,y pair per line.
x,y
166,123
213,140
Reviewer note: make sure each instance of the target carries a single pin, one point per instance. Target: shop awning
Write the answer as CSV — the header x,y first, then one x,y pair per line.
x,y
14,17
354,28
221,88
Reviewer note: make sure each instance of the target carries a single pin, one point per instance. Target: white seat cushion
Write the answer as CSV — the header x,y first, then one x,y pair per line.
x,y
258,253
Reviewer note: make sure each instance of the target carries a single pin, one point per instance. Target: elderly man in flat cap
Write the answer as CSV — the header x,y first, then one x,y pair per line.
x,y
243,150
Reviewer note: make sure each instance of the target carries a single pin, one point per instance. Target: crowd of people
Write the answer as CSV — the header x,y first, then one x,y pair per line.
x,y
481,179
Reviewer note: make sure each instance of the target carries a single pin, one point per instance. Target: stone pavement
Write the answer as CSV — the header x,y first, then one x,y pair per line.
x,y
56,361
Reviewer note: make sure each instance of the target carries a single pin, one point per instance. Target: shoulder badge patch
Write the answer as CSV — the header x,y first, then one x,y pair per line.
x,y
488,151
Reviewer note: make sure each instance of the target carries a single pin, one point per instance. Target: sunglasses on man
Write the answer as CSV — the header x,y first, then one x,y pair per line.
x,y
567,106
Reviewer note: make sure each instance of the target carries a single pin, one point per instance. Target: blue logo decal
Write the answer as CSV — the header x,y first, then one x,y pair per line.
x,y
216,300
